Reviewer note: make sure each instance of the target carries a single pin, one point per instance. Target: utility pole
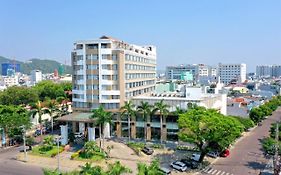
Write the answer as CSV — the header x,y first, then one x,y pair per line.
x,y
58,142
276,156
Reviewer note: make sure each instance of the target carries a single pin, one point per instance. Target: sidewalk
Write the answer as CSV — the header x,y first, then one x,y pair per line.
x,y
52,163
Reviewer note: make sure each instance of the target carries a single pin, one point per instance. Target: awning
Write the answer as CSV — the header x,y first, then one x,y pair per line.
x,y
77,117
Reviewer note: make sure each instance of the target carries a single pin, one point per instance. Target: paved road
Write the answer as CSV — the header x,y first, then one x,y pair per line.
x,y
246,157
10,166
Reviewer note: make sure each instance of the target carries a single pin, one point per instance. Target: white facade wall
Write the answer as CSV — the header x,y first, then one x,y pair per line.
x,y
36,76
228,72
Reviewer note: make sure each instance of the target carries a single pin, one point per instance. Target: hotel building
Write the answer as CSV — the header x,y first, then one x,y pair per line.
x,y
108,72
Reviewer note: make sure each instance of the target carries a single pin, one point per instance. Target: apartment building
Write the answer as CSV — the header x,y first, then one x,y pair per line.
x,y
268,71
109,71
229,72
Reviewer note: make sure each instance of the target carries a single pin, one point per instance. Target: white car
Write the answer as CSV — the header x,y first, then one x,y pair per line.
x,y
78,135
178,165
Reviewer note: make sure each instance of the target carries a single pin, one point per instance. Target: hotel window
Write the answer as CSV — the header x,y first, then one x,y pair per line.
x,y
114,87
96,97
114,57
95,87
114,77
114,67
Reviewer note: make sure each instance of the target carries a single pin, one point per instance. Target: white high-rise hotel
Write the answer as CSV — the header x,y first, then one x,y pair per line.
x,y
108,72
228,72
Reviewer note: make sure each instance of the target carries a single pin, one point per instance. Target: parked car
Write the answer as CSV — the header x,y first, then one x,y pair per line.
x,y
195,157
213,154
190,163
178,165
147,150
28,148
225,153
165,171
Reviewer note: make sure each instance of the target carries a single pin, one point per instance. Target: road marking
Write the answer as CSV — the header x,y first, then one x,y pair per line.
x,y
214,171
207,169
227,173
218,172
222,173
210,170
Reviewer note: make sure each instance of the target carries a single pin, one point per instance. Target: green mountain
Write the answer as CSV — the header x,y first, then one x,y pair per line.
x,y
46,66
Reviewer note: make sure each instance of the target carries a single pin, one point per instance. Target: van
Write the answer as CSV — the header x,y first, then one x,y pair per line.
x,y
195,157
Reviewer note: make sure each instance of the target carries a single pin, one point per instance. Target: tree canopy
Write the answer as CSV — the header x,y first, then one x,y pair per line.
x,y
49,89
208,129
12,118
18,95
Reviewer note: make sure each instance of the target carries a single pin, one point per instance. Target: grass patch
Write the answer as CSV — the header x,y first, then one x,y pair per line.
x,y
80,155
52,152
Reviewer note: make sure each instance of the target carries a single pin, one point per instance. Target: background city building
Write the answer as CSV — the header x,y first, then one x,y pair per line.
x,y
268,71
9,69
35,76
230,72
190,72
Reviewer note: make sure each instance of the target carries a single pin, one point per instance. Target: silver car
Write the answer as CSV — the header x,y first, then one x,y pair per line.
x,y
178,165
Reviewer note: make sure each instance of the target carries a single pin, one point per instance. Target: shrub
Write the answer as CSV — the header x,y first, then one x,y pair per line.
x,y
75,155
187,148
157,146
45,148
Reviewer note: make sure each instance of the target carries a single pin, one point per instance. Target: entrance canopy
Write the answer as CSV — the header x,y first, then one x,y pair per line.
x,y
77,117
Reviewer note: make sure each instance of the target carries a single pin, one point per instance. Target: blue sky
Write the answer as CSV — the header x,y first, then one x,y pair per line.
x,y
187,31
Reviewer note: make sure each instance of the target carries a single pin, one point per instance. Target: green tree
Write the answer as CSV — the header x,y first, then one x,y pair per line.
x,y
12,118
18,96
162,108
101,118
49,89
152,169
208,130
256,114
146,111
129,111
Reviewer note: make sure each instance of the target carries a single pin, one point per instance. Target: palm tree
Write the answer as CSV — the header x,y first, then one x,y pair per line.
x,y
117,169
102,117
128,110
153,168
162,108
145,109
179,111
37,109
52,107
63,102
93,170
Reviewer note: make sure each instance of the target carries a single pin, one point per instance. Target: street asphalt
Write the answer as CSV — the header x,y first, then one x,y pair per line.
x,y
10,166
246,156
